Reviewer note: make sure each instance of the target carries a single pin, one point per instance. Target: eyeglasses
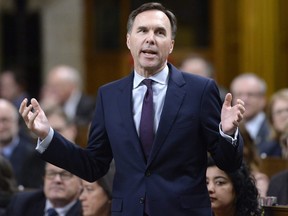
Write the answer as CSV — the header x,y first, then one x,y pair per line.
x,y
63,175
6,120
248,94
280,112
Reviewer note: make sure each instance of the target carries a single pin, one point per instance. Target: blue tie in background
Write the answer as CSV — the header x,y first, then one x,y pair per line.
x,y
146,131
52,212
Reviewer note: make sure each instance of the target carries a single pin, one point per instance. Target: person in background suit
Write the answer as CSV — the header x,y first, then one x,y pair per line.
x,y
18,149
63,87
252,90
61,192
166,176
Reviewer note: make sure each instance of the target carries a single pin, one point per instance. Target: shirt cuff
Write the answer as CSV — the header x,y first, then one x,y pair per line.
x,y
231,139
42,145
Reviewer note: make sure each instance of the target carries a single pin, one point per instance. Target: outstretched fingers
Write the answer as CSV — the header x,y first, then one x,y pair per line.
x,y
27,113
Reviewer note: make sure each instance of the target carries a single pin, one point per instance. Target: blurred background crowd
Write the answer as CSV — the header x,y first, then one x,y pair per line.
x,y
61,51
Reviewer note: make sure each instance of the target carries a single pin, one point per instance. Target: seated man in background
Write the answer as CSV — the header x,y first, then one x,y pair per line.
x,y
60,195
18,149
250,88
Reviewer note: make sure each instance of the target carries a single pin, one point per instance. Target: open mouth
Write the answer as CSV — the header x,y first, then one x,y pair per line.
x,y
148,52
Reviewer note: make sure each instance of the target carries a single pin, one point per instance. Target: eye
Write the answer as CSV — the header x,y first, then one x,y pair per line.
x,y
220,182
143,30
161,33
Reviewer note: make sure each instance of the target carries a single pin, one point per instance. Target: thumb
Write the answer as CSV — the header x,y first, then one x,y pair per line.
x,y
228,100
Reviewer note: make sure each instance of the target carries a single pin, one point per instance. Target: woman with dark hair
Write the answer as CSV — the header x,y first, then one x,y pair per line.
x,y
7,184
232,193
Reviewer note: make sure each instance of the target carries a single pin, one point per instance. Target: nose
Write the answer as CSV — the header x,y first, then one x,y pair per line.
x,y
57,178
82,196
150,39
210,187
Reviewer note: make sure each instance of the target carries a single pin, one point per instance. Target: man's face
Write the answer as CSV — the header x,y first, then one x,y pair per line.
x,y
8,87
150,41
249,90
8,123
58,86
60,186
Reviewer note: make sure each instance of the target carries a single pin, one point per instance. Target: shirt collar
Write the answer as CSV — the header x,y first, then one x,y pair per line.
x,y
7,150
62,210
160,77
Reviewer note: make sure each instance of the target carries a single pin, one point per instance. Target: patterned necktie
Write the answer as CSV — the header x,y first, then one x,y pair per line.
x,y
52,212
146,131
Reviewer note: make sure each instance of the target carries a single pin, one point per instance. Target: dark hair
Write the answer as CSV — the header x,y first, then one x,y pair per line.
x,y
105,185
153,6
245,190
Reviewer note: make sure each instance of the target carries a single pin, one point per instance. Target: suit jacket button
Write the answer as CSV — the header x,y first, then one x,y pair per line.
x,y
147,173
141,200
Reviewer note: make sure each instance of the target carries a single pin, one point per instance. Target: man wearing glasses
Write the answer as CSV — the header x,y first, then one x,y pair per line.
x,y
59,196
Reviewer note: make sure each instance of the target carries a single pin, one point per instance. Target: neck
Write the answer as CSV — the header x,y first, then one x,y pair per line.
x,y
229,211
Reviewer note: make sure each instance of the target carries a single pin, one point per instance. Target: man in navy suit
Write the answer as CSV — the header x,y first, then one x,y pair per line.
x,y
188,122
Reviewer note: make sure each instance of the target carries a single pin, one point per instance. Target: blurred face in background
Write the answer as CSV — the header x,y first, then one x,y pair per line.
x,y
60,83
60,186
221,191
94,199
59,122
8,122
9,89
250,91
280,114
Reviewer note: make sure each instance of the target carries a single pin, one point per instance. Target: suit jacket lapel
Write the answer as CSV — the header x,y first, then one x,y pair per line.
x,y
125,106
173,101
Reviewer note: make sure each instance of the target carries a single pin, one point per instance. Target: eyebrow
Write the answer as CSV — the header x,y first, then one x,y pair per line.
x,y
221,177
157,28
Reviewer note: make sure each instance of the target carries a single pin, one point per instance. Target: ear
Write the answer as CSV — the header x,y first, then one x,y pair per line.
x,y
172,46
128,41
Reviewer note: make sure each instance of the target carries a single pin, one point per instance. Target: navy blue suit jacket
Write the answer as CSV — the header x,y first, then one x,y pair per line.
x,y
32,203
174,178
